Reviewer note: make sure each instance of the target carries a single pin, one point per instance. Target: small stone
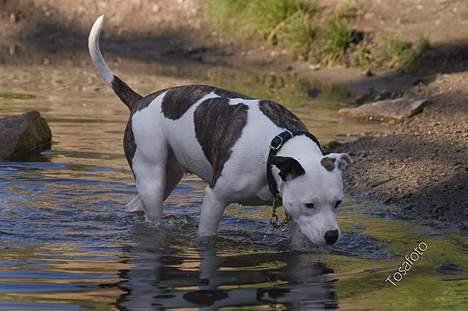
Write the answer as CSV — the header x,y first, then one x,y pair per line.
x,y
313,92
12,50
13,18
368,73
314,67
449,268
408,207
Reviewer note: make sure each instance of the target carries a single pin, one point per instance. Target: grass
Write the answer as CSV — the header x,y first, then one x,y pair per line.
x,y
299,34
403,55
338,38
364,57
319,34
286,22
295,24
11,95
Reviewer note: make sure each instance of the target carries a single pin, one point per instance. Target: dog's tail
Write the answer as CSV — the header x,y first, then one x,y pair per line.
x,y
128,96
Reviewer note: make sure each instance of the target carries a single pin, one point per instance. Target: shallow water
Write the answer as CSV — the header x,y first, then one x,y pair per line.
x,y
68,243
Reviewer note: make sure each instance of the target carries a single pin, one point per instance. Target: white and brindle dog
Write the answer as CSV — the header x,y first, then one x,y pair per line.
x,y
250,151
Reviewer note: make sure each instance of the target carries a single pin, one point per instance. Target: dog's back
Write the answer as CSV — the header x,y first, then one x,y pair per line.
x,y
204,126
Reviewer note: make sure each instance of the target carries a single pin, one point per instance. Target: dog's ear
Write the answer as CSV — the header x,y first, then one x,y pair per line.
x,y
289,167
336,160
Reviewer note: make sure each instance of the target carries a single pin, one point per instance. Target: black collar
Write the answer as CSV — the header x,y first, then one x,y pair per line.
x,y
276,143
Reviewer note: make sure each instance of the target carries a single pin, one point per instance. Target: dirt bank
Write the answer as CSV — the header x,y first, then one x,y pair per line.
x,y
419,166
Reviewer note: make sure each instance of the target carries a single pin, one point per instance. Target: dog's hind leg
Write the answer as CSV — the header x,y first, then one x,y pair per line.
x,y
149,167
174,173
211,213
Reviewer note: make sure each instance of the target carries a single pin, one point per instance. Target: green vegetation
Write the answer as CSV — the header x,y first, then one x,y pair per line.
x,y
364,57
338,38
299,34
296,24
311,32
396,49
275,21
11,95
403,55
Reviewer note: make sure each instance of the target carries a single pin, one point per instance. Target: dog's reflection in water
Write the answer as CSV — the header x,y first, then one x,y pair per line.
x,y
186,276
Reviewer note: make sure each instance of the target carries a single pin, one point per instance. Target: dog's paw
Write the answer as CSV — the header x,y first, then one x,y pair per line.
x,y
135,205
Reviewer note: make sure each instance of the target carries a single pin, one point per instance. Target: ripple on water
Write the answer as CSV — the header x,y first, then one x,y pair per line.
x,y
72,237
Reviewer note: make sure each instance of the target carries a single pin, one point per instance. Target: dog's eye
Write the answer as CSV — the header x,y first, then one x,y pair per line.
x,y
337,203
310,205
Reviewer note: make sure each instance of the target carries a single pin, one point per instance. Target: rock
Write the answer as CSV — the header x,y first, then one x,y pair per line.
x,y
23,134
449,268
386,110
368,73
313,92
315,67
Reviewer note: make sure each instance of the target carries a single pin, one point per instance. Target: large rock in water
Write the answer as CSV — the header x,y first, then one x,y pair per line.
x,y
23,134
386,110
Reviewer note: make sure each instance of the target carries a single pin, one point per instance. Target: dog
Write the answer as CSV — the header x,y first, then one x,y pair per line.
x,y
249,151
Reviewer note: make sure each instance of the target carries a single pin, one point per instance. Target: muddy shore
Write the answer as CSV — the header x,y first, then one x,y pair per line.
x,y
421,165
418,167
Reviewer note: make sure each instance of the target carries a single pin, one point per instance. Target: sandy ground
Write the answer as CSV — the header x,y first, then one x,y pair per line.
x,y
419,167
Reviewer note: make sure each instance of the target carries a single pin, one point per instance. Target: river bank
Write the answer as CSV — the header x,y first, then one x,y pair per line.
x,y
420,165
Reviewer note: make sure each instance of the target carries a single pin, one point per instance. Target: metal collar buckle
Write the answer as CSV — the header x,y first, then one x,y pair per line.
x,y
278,141
274,145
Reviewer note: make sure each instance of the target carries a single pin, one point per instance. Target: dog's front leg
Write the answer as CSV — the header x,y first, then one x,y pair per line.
x,y
211,213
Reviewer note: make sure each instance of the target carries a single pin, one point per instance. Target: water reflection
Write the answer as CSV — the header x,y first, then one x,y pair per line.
x,y
67,242
198,277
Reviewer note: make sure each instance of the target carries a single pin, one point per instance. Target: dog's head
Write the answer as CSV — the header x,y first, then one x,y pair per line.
x,y
312,190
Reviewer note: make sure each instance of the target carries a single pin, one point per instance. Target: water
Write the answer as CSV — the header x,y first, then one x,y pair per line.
x,y
67,242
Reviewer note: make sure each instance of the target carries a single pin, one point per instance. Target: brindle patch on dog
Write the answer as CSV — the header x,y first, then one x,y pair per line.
x,y
218,126
125,93
145,101
328,163
230,94
281,116
129,143
178,100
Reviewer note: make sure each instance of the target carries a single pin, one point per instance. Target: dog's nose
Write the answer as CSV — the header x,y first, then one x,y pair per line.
x,y
331,236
